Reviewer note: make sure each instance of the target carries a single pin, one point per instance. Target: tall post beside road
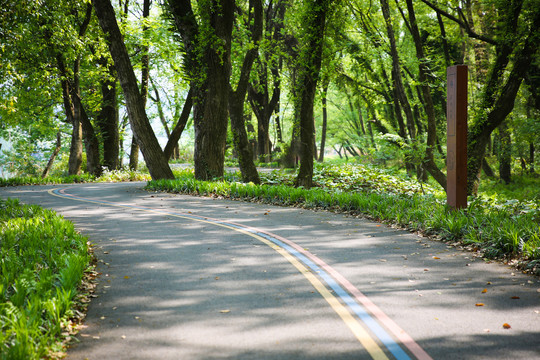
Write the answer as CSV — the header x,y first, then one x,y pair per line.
x,y
456,155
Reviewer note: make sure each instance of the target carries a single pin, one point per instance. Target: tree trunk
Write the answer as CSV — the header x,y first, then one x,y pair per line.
x,y
76,148
505,153
487,169
53,155
211,125
145,73
324,121
429,159
91,142
172,143
155,160
212,64
531,158
311,63
107,122
237,99
500,102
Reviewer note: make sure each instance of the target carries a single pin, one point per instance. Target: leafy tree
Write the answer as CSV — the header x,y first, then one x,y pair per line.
x,y
155,159
206,34
316,15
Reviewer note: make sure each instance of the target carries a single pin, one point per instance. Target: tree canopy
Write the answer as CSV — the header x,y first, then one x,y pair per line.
x,y
251,80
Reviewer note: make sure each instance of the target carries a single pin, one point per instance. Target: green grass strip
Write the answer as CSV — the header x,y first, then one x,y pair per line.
x,y
42,261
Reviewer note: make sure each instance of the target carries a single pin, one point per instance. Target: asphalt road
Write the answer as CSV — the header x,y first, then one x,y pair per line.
x,y
197,278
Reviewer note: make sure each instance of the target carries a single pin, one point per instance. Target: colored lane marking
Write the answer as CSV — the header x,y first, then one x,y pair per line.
x,y
301,258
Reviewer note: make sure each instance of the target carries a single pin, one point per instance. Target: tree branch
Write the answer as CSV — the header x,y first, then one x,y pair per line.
x,y
464,25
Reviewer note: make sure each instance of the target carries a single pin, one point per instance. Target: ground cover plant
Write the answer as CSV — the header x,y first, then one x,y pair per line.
x,y
42,262
106,176
508,229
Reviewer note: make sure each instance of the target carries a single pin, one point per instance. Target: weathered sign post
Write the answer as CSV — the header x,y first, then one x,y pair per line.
x,y
456,156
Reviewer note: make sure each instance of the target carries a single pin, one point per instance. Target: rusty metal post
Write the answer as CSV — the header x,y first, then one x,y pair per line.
x,y
456,156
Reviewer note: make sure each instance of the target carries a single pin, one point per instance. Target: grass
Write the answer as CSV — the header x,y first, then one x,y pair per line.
x,y
507,229
107,176
42,263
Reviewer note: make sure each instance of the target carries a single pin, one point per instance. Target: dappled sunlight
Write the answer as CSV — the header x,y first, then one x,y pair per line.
x,y
171,279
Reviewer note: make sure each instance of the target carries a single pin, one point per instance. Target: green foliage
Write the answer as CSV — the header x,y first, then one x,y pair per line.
x,y
500,229
42,261
107,176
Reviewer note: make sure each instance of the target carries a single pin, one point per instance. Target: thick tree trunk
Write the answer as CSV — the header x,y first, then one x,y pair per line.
x,y
211,126
210,112
155,160
76,148
134,154
312,60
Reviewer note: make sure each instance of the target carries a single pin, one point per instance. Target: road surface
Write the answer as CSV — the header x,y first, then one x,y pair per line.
x,y
187,277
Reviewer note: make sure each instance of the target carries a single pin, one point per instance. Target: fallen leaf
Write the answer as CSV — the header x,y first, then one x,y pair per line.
x,y
486,330
225,311
436,258
506,326
382,260
217,277
426,269
488,283
126,277
123,336
484,291
265,213
515,297
479,304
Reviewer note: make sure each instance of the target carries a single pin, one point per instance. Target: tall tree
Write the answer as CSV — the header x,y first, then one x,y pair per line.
x,y
237,97
265,87
317,13
207,46
153,155
516,41
145,74
429,160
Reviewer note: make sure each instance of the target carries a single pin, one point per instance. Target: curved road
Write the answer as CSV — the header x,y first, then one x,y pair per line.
x,y
196,278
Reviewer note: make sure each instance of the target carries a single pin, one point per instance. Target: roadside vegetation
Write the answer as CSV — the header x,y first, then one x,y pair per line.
x,y
106,176
43,262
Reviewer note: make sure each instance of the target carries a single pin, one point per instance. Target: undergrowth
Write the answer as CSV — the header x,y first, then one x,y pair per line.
x,y
106,176
42,262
